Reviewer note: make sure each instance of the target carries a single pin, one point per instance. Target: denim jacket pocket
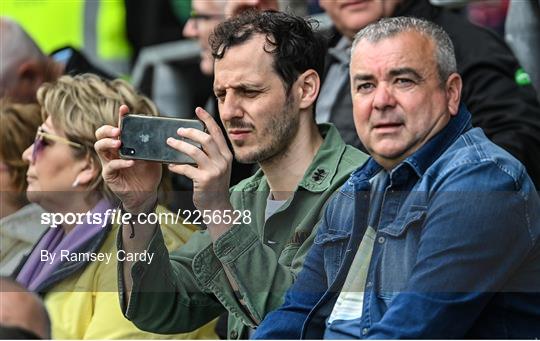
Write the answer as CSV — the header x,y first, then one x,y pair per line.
x,y
334,243
414,215
399,247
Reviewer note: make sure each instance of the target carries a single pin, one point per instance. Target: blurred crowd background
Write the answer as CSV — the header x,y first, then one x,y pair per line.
x,y
160,48
145,41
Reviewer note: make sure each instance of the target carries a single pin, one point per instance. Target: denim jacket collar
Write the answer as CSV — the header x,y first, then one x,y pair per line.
x,y
424,157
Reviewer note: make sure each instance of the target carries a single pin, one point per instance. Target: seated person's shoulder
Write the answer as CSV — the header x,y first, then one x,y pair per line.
x,y
474,162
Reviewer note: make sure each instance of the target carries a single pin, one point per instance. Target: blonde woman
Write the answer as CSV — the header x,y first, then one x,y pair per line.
x,y
74,264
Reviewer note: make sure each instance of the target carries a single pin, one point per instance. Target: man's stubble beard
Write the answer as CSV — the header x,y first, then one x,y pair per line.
x,y
282,128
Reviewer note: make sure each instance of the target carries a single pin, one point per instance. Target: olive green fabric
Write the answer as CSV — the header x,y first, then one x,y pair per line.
x,y
191,287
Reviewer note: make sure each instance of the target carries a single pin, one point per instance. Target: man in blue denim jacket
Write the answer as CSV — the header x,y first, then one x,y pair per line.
x,y
437,235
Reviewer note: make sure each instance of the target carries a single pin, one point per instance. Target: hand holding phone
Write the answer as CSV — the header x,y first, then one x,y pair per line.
x,y
145,138
211,177
135,183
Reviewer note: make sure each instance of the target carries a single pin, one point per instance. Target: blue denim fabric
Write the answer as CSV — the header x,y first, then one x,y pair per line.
x,y
457,252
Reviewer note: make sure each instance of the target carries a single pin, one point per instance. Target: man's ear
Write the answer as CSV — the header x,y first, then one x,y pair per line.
x,y
90,169
309,84
30,75
31,72
454,85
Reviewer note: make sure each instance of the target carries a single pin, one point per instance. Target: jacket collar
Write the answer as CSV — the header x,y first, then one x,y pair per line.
x,y
322,169
424,157
341,52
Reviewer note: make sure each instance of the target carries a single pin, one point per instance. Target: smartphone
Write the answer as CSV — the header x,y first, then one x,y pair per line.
x,y
145,138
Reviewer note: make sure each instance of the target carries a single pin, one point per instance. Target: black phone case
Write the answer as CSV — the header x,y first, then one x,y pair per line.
x,y
145,138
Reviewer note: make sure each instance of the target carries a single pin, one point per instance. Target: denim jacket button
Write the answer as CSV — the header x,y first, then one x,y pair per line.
x,y
381,239
369,284
364,331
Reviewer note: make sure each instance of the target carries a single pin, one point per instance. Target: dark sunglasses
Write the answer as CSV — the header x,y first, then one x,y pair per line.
x,y
40,142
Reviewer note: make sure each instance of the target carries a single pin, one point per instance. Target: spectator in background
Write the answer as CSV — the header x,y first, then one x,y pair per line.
x,y
489,14
235,7
20,224
65,177
206,15
24,67
152,22
522,32
508,112
95,27
296,7
22,313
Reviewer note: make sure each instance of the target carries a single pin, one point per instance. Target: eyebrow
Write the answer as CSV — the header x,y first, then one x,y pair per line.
x,y
363,77
393,73
405,71
242,86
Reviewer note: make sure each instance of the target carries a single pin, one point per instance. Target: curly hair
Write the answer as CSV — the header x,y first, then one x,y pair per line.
x,y
291,39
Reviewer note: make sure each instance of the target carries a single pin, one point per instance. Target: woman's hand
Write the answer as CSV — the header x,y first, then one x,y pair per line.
x,y
134,182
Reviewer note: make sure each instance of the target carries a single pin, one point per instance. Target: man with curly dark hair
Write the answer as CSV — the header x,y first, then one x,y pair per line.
x,y
266,82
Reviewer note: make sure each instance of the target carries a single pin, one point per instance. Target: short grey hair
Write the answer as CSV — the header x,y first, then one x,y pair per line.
x,y
389,27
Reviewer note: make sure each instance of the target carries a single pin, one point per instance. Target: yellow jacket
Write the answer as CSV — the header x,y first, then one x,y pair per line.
x,y
87,306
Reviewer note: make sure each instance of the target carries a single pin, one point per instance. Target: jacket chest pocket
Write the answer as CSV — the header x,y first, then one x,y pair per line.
x,y
334,244
399,248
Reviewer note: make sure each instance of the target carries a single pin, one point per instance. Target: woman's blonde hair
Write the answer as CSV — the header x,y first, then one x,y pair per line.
x,y
18,123
79,105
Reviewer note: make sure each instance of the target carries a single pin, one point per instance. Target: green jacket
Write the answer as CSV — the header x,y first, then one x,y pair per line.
x,y
190,287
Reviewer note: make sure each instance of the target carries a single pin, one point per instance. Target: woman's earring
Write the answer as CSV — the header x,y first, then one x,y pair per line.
x,y
75,183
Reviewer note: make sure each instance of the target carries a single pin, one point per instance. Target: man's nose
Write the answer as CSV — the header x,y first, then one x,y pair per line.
x,y
190,29
230,108
384,97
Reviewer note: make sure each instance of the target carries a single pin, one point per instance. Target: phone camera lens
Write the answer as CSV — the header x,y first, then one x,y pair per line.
x,y
128,151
